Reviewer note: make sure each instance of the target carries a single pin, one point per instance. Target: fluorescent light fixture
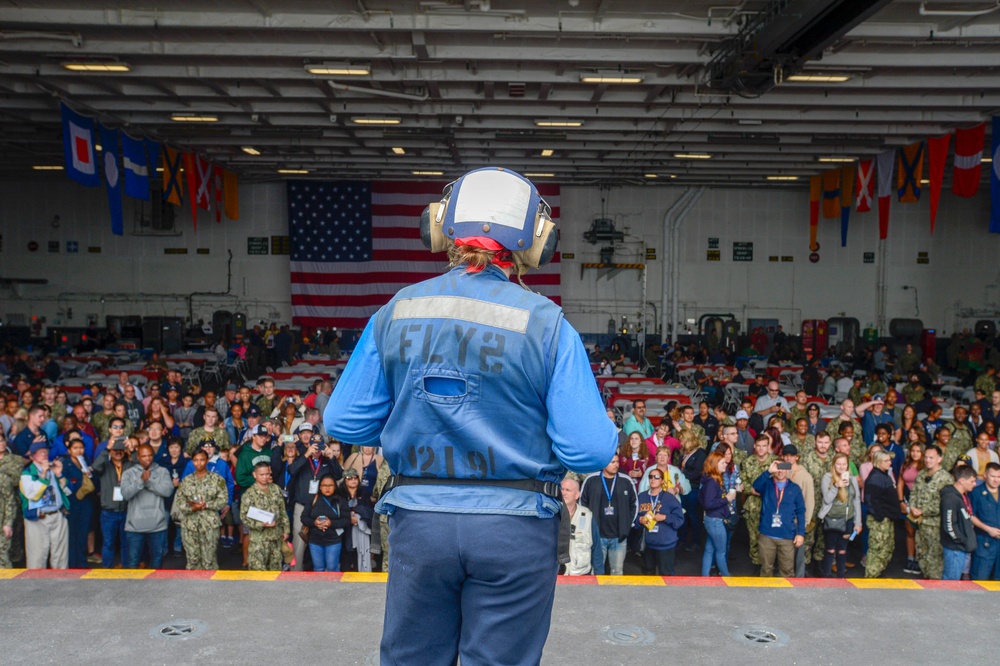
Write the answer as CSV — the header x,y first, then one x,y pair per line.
x,y
293,171
650,175
818,78
539,175
98,147
339,69
835,159
610,76
559,123
398,150
988,159
780,178
925,182
194,118
369,120
48,167
250,150
427,173
750,121
693,156
96,67
548,152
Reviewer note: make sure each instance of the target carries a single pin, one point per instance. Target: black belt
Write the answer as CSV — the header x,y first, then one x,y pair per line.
x,y
548,488
41,514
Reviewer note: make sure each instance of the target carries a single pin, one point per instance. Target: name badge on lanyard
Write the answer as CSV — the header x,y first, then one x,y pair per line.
x,y
116,494
313,486
609,510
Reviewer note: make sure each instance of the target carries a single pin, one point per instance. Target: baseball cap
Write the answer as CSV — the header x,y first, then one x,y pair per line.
x,y
878,397
742,414
86,392
36,447
208,441
317,439
304,426
254,410
350,473
231,387
261,430
790,450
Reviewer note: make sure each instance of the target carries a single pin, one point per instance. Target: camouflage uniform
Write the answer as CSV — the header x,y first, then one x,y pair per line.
x,y
696,429
986,383
219,435
878,387
856,395
950,454
100,422
265,542
961,440
59,411
815,542
803,444
926,496
794,414
11,466
266,405
7,515
383,520
913,394
858,448
907,363
881,544
200,529
749,471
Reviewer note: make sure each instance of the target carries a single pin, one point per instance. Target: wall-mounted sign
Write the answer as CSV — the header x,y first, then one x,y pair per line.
x,y
280,245
203,250
568,255
923,258
714,255
786,259
713,243
773,258
94,249
259,245
32,246
72,247
814,257
175,250
743,251
869,257
650,253
53,246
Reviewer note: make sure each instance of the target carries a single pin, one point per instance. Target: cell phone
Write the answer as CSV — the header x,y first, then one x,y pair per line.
x,y
785,465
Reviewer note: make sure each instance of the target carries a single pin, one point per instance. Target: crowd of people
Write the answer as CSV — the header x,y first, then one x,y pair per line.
x,y
803,488
177,475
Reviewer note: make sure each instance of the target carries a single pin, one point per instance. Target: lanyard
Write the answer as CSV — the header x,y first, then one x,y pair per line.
x,y
335,509
315,465
656,502
607,492
967,502
780,495
118,471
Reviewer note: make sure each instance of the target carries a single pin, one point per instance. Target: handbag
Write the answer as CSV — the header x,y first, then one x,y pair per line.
x,y
731,520
86,487
835,524
304,530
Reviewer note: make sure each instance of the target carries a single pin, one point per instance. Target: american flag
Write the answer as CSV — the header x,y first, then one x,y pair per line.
x,y
355,244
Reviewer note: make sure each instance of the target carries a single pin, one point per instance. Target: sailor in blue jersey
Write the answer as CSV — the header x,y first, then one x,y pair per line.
x,y
481,395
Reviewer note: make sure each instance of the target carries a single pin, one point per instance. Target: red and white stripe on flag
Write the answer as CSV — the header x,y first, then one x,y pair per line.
x,y
865,185
346,294
967,172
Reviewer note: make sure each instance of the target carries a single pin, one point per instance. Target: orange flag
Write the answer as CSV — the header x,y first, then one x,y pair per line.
x,y
911,168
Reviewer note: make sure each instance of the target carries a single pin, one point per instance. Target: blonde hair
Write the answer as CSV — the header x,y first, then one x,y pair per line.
x,y
468,255
842,495
689,440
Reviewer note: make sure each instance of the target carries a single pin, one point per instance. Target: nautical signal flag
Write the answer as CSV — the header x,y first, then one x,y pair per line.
x,y
198,171
171,176
78,146
911,169
217,186
995,178
968,160
846,199
883,169
937,155
112,177
230,195
865,185
135,167
831,194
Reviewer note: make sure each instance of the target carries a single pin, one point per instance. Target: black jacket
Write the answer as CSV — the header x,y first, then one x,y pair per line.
x,y
693,468
881,496
362,505
336,511
957,532
303,472
623,499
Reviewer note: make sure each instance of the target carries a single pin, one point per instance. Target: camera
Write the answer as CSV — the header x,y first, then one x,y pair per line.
x,y
785,466
118,444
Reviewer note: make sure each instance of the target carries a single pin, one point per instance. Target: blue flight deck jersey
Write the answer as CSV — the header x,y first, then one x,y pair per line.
x,y
468,375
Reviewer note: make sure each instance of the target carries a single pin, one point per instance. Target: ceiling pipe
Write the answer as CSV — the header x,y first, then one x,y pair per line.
x,y
379,92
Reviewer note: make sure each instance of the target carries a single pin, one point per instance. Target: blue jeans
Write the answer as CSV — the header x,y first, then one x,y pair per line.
x,y
325,558
113,537
986,560
614,551
457,590
690,532
157,542
715,546
954,562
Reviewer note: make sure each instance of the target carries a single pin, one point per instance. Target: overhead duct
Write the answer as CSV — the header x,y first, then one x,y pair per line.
x,y
780,39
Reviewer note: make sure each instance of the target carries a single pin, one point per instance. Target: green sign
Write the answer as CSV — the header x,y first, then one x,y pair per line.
x,y
869,257
257,245
743,251
713,243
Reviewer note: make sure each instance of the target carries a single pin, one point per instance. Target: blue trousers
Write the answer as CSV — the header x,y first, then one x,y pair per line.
x,y
716,546
157,543
474,586
113,537
80,515
986,561
954,562
325,558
